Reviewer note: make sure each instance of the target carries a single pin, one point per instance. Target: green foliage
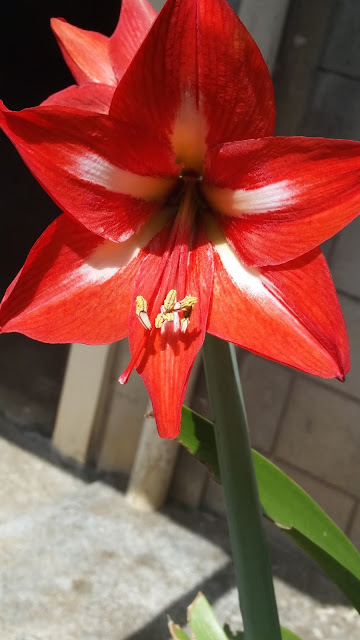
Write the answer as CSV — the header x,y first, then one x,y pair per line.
x,y
288,506
205,626
177,633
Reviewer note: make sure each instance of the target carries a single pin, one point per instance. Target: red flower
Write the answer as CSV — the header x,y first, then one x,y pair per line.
x,y
183,214
97,62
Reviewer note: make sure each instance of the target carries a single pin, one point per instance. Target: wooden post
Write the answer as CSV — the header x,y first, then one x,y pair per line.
x,y
81,400
155,460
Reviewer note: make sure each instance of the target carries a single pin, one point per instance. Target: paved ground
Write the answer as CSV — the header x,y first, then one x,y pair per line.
x,y
77,563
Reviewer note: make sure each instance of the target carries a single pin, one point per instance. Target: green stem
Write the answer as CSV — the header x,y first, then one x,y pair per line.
x,y
250,554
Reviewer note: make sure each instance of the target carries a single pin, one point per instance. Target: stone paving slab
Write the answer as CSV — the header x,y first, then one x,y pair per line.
x,y
265,386
309,437
328,248
335,503
351,386
345,264
303,40
355,529
335,108
342,53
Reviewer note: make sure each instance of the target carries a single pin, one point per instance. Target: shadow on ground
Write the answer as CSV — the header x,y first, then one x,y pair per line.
x,y
290,564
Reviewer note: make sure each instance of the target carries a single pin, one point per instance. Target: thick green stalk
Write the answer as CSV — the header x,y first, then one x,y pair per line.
x,y
250,554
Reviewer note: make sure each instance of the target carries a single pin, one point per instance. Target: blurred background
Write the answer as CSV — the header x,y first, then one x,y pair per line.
x,y
66,425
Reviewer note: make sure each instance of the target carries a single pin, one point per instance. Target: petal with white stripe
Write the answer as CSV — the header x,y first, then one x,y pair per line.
x,y
198,64
239,203
109,176
278,198
290,314
75,286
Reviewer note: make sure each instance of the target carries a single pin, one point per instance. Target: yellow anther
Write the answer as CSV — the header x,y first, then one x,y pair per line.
x,y
188,302
171,306
159,321
141,312
168,316
141,304
170,300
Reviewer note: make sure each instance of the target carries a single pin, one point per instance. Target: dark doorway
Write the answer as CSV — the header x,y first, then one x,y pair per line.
x,y
32,68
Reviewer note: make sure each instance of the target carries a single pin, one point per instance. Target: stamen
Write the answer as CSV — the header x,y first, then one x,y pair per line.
x,y
185,320
170,300
171,309
164,317
167,309
159,320
184,324
141,312
188,303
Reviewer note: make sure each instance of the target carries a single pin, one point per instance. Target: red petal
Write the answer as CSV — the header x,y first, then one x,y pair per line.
x,y
281,197
91,97
85,52
136,18
73,287
109,176
289,313
198,75
166,357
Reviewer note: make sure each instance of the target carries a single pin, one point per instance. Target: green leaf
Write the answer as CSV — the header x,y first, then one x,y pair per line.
x,y
288,506
203,623
202,620
205,626
176,632
285,634
197,435
288,635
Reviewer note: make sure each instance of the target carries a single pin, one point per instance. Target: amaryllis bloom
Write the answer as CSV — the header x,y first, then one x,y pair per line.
x,y
98,62
184,215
